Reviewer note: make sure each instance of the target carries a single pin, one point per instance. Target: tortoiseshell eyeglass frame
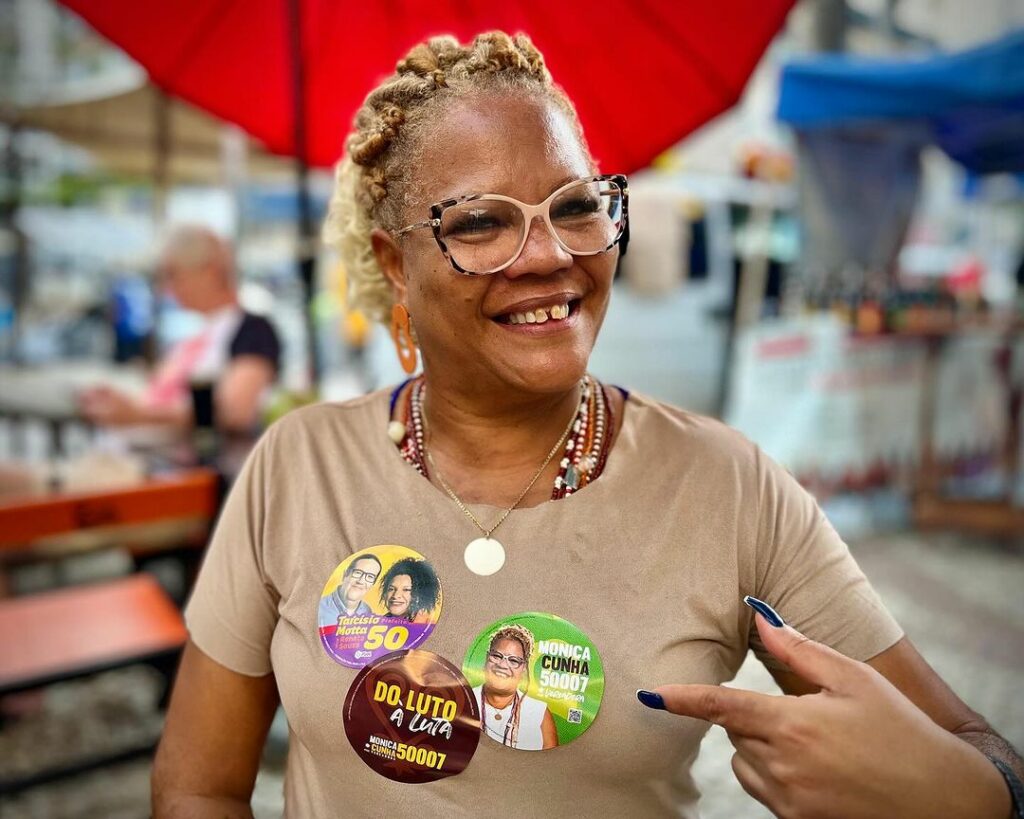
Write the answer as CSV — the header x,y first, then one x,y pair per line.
x,y
542,209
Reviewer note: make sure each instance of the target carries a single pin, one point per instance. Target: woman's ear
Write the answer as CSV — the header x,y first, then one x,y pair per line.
x,y
389,258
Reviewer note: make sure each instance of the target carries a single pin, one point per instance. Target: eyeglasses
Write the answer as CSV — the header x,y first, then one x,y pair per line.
x,y
485,233
359,574
514,662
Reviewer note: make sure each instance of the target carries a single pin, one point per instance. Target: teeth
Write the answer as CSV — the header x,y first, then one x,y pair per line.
x,y
555,312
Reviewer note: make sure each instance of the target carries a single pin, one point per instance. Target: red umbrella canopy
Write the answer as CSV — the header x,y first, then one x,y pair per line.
x,y
642,73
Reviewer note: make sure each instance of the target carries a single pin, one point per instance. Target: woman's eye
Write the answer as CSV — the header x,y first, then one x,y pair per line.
x,y
473,223
583,206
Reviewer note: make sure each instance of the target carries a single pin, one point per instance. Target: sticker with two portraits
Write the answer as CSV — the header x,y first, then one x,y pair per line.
x,y
378,600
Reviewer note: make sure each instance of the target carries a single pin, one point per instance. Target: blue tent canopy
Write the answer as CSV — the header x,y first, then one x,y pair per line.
x,y
972,102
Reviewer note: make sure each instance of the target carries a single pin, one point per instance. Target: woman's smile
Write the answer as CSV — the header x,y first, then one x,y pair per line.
x,y
542,325
553,317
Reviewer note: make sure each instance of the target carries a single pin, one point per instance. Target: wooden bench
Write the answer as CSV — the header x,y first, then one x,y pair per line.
x,y
76,631
81,630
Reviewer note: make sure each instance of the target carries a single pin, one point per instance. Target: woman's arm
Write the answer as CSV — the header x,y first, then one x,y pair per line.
x,y
209,755
239,391
548,732
106,406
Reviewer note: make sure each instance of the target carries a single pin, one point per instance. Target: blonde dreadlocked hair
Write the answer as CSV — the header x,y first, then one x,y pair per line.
x,y
371,187
521,635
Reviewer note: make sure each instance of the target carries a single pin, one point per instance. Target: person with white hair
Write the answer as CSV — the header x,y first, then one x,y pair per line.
x,y
237,352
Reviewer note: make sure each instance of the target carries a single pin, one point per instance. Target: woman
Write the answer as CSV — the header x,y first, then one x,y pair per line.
x,y
410,590
665,563
507,714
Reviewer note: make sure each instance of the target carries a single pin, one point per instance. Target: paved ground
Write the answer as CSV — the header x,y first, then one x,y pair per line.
x,y
959,600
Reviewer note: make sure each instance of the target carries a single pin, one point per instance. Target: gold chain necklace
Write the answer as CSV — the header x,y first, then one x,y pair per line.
x,y
485,555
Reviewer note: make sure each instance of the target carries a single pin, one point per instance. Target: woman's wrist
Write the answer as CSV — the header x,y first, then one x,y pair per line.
x,y
969,785
1014,785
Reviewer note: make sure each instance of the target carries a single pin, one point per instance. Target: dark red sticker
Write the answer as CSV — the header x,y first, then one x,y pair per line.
x,y
412,717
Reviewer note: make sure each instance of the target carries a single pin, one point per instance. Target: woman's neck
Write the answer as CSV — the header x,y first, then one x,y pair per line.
x,y
487,450
498,701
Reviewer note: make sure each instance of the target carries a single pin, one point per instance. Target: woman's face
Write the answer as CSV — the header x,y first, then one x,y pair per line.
x,y
502,676
398,596
526,149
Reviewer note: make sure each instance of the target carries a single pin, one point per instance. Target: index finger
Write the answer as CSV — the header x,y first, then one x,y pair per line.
x,y
746,713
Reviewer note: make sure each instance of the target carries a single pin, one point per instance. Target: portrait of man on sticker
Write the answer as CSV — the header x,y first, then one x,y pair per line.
x,y
347,600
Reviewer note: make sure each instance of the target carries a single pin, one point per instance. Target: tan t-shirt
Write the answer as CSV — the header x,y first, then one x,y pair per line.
x,y
651,561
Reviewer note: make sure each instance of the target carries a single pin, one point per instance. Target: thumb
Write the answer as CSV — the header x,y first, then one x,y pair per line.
x,y
816,663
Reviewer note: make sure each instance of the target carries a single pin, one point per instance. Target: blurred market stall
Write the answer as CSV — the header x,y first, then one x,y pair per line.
x,y
903,368
134,129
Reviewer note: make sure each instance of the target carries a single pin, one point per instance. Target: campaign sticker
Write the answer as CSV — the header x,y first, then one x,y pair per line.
x,y
538,681
411,717
378,600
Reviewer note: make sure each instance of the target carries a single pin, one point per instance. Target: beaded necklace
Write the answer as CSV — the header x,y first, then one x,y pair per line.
x,y
586,448
511,734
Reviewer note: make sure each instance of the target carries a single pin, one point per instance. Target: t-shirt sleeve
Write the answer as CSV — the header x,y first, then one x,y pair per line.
x,y
806,572
257,336
232,612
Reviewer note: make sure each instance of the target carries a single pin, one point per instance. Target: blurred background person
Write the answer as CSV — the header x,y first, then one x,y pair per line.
x,y
237,353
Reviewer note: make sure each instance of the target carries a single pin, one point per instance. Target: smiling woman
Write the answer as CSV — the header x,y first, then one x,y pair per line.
x,y
410,589
469,210
507,714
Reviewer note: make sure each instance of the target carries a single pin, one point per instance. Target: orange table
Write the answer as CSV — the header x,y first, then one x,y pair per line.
x,y
182,495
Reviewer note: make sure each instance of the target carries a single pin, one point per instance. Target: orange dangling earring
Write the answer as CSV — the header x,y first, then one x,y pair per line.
x,y
401,334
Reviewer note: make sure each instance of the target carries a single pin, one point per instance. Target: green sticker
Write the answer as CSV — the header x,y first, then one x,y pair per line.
x,y
538,679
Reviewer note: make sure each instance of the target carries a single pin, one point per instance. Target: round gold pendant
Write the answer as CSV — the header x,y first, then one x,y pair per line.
x,y
484,556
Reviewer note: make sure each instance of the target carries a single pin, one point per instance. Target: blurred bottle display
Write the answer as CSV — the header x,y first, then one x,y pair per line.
x,y
930,307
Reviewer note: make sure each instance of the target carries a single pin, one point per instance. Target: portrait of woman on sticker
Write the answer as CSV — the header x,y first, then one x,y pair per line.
x,y
473,221
410,590
507,714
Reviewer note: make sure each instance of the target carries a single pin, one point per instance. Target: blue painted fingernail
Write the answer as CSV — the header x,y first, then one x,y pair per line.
x,y
766,611
650,699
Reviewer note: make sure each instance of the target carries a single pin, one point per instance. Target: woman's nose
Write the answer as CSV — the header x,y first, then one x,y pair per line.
x,y
541,255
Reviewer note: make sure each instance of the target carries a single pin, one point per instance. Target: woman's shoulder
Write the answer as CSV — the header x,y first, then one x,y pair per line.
x,y
353,421
656,424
